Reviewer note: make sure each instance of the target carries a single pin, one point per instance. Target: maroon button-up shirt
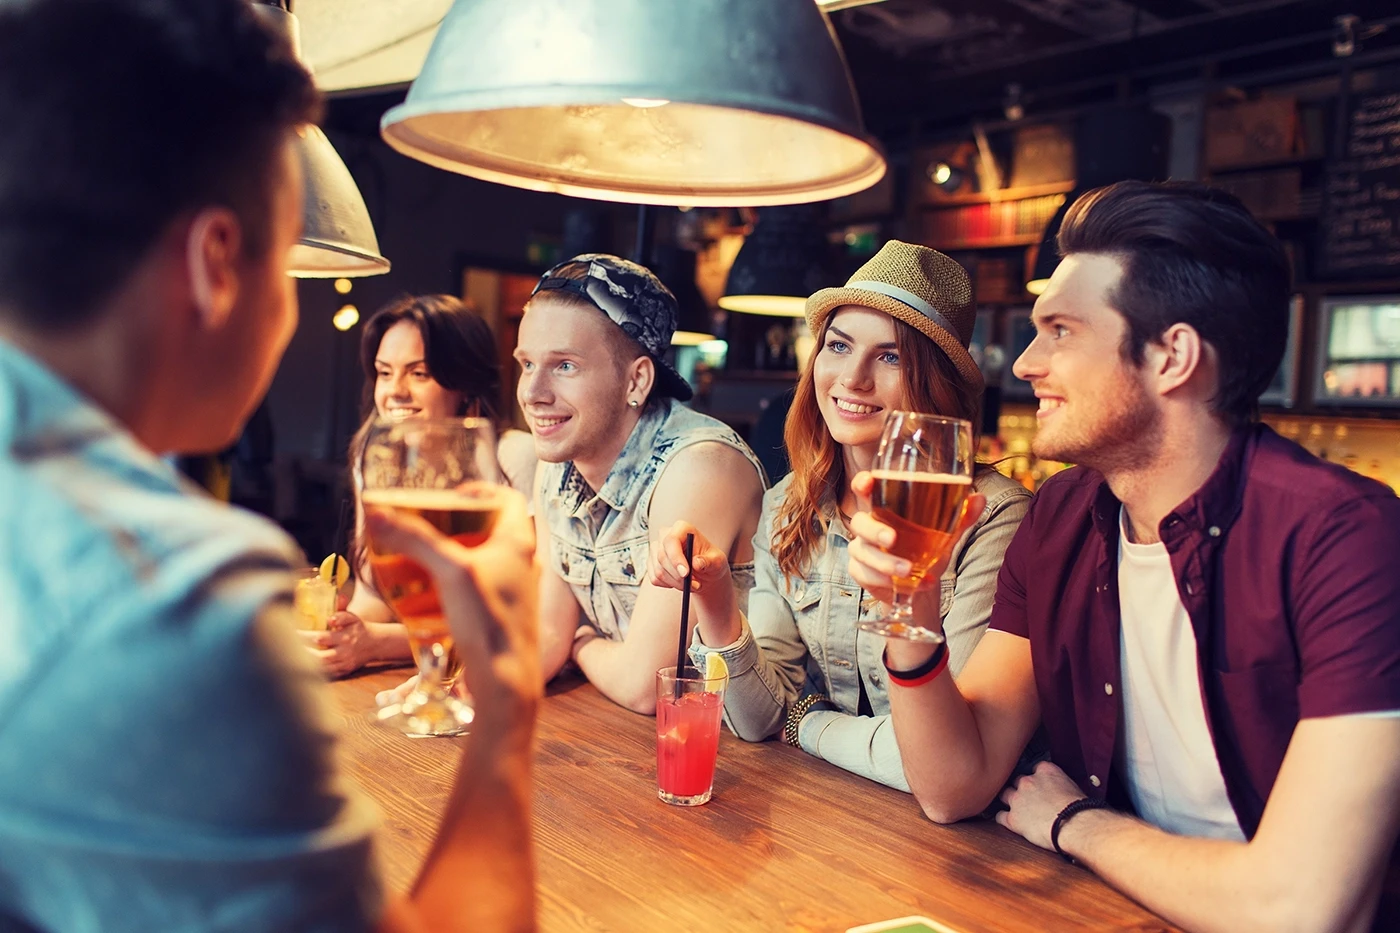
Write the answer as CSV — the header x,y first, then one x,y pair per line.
x,y
1289,568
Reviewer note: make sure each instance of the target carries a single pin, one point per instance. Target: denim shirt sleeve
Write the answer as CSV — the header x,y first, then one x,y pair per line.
x,y
866,745
863,745
767,662
977,566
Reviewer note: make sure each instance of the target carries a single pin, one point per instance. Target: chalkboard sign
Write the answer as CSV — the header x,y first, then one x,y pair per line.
x,y
1361,210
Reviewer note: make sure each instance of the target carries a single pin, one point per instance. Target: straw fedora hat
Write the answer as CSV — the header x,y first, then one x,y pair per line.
x,y
919,286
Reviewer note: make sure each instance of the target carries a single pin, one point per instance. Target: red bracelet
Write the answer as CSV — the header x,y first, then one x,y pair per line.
x,y
930,669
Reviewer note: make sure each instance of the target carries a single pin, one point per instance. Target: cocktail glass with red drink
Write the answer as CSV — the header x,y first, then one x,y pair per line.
x,y
688,713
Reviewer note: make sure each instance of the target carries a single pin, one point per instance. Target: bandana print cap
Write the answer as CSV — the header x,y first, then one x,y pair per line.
x,y
633,298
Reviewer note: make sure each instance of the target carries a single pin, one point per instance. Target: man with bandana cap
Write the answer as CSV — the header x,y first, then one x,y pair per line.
x,y
621,460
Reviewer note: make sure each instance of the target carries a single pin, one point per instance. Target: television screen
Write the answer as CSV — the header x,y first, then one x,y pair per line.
x,y
1359,351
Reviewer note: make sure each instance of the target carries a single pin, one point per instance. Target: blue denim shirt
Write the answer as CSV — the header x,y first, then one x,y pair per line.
x,y
599,542
165,757
804,637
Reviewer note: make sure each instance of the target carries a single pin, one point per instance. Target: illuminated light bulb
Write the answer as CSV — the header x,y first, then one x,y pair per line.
x,y
347,317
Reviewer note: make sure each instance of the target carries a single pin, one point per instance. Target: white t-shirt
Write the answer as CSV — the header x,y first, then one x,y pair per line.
x,y
1173,775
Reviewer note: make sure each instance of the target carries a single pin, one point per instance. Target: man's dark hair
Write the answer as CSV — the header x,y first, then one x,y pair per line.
x,y
1192,254
118,116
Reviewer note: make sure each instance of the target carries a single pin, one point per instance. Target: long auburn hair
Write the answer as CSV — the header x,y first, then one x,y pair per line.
x,y
460,352
932,384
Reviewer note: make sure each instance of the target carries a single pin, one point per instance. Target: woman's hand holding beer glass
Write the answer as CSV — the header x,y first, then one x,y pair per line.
x,y
914,505
876,569
711,585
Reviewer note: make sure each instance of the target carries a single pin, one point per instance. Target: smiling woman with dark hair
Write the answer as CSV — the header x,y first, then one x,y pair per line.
x,y
425,356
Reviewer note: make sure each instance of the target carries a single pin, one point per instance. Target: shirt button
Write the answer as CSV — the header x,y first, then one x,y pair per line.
x,y
1108,688
1214,531
1094,779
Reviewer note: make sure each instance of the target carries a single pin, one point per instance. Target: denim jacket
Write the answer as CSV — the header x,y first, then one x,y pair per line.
x,y
598,542
804,638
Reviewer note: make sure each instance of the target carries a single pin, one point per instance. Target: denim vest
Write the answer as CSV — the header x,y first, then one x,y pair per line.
x,y
598,542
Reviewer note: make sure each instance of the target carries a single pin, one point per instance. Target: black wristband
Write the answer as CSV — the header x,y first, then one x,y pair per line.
x,y
1078,806
922,670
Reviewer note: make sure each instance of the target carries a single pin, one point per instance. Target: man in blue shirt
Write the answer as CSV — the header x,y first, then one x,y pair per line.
x,y
167,758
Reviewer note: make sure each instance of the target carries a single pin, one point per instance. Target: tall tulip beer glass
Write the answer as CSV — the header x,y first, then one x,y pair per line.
x,y
432,468
923,474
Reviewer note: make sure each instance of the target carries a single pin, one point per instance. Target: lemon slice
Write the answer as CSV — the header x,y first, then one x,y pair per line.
x,y
715,668
335,570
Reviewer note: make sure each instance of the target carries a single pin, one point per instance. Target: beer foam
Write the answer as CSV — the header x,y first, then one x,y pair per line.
x,y
947,479
444,500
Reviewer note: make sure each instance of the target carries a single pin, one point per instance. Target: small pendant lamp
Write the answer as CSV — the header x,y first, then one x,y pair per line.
x,y
780,264
337,239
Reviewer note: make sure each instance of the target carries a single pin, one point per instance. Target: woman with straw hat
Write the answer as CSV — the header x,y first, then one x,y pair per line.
x,y
895,337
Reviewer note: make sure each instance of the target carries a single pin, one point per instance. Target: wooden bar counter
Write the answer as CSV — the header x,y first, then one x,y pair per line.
x,y
789,842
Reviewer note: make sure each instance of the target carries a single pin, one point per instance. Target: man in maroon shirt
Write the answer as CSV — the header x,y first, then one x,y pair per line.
x,y
1205,617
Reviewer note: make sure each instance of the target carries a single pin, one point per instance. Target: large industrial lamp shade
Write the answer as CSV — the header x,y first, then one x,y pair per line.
x,y
701,102
337,239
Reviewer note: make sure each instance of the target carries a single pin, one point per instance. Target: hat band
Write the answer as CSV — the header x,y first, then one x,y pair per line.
x,y
909,298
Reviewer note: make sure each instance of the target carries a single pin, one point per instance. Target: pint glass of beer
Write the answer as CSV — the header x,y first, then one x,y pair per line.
x,y
923,475
432,468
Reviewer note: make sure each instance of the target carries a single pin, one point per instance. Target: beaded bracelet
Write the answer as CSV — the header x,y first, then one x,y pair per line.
x,y
792,727
920,675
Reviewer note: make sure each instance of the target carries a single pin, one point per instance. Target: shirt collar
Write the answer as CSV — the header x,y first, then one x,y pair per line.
x,y
1215,505
38,409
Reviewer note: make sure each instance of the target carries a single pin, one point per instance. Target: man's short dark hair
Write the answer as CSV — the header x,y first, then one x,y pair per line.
x,y
1192,254
118,116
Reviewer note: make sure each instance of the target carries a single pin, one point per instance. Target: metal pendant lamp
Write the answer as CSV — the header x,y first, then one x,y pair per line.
x,y
337,239
675,267
779,265
676,102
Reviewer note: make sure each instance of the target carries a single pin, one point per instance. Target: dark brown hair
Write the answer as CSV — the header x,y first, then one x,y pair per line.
x,y
932,384
458,347
460,352
119,116
1192,254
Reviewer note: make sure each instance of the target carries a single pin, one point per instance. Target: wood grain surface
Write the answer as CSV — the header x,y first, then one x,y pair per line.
x,y
789,842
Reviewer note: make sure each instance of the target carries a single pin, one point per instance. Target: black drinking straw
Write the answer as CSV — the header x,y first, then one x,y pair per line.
x,y
685,612
339,541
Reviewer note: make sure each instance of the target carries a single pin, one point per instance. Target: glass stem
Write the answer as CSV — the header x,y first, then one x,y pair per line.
x,y
902,606
431,670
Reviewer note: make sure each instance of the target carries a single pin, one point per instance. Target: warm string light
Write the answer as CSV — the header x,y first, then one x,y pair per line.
x,y
347,317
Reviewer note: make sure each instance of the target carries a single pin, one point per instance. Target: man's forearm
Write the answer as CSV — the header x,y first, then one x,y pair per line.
x,y
556,646
620,676
479,875
1200,884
